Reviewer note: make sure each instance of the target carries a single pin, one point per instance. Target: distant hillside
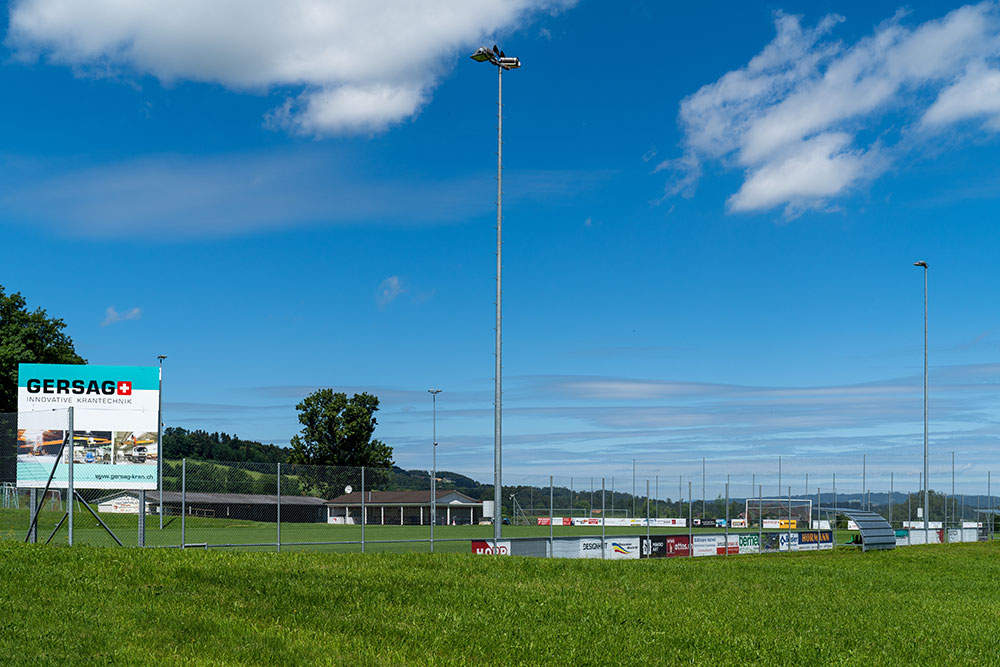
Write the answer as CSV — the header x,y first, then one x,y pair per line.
x,y
180,443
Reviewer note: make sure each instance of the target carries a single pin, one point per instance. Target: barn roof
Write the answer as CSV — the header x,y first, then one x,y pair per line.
x,y
402,498
173,497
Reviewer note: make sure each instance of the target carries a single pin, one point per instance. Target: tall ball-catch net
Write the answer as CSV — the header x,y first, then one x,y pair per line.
x,y
780,510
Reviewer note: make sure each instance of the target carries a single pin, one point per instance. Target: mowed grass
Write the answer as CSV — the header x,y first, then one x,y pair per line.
x,y
87,605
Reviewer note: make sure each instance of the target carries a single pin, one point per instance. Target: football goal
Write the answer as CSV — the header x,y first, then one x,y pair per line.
x,y
777,512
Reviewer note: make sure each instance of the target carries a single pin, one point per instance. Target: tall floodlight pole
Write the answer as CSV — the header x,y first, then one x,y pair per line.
x,y
434,448
502,62
927,497
159,440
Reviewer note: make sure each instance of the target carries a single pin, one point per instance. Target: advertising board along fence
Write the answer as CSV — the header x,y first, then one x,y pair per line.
x,y
620,547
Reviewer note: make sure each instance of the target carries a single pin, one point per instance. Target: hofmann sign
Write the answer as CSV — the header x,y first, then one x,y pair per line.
x,y
115,408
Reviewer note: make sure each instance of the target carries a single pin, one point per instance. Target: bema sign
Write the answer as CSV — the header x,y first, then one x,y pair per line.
x,y
115,413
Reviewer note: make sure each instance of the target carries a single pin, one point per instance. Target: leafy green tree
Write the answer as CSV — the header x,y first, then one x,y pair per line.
x,y
337,431
28,337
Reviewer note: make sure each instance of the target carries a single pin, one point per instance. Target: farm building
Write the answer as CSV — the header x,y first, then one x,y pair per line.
x,y
399,508
251,507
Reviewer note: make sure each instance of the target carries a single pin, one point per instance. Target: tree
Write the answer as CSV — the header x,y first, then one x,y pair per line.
x,y
28,337
337,431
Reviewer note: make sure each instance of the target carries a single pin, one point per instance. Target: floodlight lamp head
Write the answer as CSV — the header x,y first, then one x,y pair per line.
x,y
923,264
508,62
161,357
482,55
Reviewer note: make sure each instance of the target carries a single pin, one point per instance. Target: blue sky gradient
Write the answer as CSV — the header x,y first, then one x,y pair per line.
x,y
710,225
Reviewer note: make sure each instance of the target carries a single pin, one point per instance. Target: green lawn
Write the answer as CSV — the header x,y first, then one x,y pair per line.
x,y
198,530
86,605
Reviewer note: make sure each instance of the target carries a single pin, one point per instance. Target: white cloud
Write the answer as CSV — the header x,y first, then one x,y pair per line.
x,y
976,94
792,119
359,66
388,290
111,315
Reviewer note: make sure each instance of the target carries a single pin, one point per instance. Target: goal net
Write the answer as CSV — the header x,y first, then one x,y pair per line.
x,y
777,512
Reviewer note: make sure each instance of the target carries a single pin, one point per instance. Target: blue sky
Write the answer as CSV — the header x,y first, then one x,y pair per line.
x,y
710,224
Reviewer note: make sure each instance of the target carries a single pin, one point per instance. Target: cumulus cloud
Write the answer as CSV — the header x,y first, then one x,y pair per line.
x,y
353,66
111,315
805,118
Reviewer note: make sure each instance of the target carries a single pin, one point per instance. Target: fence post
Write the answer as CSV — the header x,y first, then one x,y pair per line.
x,y
647,518
603,513
142,518
279,508
760,518
834,510
690,523
33,532
364,514
69,478
789,519
551,529
183,503
727,515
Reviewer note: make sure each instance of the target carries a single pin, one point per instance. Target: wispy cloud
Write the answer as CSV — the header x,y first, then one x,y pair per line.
x,y
111,315
336,58
808,119
166,197
388,290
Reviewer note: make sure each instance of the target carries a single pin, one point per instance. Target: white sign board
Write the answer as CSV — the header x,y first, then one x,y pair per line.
x,y
115,414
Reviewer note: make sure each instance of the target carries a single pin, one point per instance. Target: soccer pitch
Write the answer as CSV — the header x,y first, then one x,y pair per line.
x,y
262,536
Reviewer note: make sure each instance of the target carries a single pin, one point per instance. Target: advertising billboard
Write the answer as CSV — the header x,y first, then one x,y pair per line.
x,y
677,545
491,547
621,548
749,543
115,410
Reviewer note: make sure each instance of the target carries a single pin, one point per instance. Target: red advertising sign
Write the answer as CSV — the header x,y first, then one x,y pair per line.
x,y
678,545
484,547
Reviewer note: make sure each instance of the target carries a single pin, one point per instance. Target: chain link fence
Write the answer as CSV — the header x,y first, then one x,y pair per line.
x,y
283,507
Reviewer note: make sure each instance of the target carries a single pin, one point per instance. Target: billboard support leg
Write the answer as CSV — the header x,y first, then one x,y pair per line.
x,y
94,514
58,526
33,528
69,476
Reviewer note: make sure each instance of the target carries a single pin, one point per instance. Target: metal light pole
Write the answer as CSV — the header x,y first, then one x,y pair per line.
x,y
927,497
434,449
159,440
502,62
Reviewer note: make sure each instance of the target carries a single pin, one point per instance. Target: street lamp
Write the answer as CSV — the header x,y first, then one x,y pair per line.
x,y
434,440
159,438
927,502
502,62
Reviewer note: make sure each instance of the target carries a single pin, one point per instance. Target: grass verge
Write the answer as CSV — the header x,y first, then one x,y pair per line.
x,y
924,605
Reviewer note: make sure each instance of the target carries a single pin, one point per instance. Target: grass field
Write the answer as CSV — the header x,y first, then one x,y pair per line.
x,y
200,530
85,605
